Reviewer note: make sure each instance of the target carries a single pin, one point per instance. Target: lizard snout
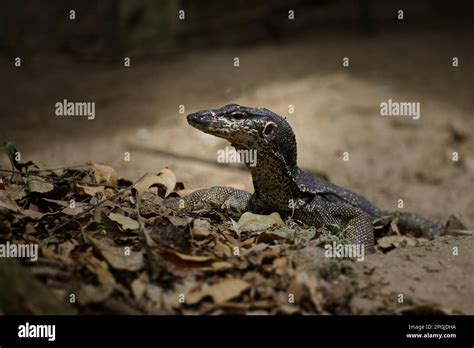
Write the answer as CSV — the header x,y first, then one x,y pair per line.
x,y
200,118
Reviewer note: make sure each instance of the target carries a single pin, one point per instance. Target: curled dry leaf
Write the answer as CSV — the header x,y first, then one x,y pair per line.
x,y
117,256
105,175
90,190
161,183
221,292
250,222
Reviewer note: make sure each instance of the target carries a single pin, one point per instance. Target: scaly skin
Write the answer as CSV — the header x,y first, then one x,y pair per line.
x,y
283,187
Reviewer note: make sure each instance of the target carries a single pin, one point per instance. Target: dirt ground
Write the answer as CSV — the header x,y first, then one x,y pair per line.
x,y
430,278
336,110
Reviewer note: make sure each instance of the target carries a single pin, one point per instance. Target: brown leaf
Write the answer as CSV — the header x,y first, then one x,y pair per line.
x,y
38,184
6,201
78,206
172,236
105,175
390,242
101,270
117,257
201,229
16,192
139,286
191,258
125,222
194,262
88,293
223,248
425,309
35,215
250,222
65,248
221,292
268,236
90,190
161,183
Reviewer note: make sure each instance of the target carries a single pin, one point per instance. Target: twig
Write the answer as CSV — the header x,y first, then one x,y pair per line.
x,y
85,212
62,168
147,239
55,178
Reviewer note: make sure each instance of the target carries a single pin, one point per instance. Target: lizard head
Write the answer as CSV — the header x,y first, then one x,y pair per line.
x,y
249,128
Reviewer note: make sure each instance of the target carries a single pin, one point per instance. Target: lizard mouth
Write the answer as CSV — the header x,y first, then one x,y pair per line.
x,y
205,121
197,118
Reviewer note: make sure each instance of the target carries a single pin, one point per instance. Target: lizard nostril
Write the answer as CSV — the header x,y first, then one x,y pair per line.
x,y
199,118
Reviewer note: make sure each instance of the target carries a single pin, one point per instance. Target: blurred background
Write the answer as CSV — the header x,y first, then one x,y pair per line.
x,y
282,62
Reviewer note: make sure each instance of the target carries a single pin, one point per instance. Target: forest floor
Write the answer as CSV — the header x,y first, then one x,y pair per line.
x,y
336,111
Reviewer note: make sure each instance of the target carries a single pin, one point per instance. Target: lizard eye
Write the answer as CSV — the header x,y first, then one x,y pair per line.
x,y
238,114
269,128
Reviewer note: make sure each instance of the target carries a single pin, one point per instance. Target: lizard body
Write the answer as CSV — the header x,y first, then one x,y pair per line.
x,y
280,185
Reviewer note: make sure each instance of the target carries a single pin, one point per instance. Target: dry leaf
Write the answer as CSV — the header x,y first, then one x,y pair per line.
x,y
7,202
125,222
117,257
90,190
390,242
250,222
16,192
38,184
139,286
223,248
78,206
220,292
161,183
201,229
105,175
219,265
168,235
268,236
193,258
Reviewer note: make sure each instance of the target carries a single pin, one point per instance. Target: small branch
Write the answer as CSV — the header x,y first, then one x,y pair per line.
x,y
55,178
85,212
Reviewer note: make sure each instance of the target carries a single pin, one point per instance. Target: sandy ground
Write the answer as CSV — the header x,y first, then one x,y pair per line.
x,y
431,279
336,110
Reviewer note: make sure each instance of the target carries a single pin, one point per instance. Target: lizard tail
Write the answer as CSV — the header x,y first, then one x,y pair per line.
x,y
418,225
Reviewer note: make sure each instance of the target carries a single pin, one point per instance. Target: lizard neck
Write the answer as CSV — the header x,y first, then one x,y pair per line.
x,y
274,183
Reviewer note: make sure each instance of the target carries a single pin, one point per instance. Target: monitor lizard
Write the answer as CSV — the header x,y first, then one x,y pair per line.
x,y
281,186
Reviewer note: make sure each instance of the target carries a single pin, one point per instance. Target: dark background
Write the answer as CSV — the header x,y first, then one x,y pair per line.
x,y
283,62
145,27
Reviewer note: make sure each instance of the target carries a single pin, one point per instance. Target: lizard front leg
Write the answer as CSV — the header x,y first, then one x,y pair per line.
x,y
217,197
357,224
